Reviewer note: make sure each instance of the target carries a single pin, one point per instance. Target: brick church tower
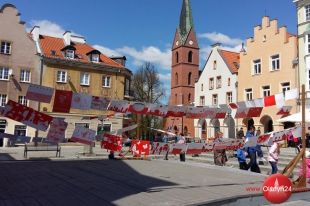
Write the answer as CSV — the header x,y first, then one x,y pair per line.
x,y
184,71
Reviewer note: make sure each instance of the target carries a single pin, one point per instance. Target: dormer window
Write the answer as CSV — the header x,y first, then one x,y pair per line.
x,y
69,54
94,57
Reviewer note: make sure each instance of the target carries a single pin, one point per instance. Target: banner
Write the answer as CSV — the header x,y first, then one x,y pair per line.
x,y
81,101
138,108
221,112
196,112
39,93
176,111
100,103
118,106
62,101
83,135
264,139
177,148
208,147
194,148
27,115
160,148
157,110
111,142
57,131
140,147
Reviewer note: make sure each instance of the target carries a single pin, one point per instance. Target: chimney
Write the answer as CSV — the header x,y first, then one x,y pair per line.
x,y
67,38
242,48
216,45
35,32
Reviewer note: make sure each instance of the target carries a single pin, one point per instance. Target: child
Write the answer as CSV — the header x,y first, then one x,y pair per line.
x,y
242,158
273,157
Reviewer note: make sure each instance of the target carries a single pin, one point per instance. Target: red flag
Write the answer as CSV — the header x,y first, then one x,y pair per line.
x,y
285,110
140,147
255,111
111,142
233,105
138,108
269,101
62,101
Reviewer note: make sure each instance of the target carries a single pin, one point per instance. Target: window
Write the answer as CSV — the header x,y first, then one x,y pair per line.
x,y
214,64
176,79
190,56
202,101
62,76
228,82
84,78
3,100
266,91
308,78
25,75
127,87
22,100
248,94
86,125
229,97
189,98
5,47
275,62
214,99
176,99
106,81
103,128
95,57
308,43
307,12
218,82
285,87
20,130
69,54
177,57
4,73
201,87
189,78
211,83
257,66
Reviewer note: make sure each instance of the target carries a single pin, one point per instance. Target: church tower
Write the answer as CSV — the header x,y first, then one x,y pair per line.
x,y
184,69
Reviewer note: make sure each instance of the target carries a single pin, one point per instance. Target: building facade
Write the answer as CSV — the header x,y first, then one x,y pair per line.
x,y
19,66
216,86
267,67
70,60
303,33
184,71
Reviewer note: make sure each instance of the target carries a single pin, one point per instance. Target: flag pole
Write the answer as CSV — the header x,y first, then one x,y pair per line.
x,y
303,123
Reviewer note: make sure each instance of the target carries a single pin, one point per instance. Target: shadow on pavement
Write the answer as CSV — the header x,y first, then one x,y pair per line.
x,y
99,182
6,157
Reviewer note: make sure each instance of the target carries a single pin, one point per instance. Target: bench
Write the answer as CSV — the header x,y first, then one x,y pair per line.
x,y
39,146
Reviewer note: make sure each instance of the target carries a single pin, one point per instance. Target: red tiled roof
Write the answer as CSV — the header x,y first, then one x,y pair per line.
x,y
232,59
49,44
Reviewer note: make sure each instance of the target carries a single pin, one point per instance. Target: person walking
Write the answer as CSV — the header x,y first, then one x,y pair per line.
x,y
252,152
181,140
259,150
220,157
273,157
241,158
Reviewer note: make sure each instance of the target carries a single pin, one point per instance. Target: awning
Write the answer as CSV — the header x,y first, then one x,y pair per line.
x,y
296,117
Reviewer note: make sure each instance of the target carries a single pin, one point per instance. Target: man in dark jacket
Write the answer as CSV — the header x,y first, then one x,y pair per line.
x,y
240,134
252,152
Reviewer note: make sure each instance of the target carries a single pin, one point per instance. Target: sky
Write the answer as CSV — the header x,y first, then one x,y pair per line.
x,y
143,30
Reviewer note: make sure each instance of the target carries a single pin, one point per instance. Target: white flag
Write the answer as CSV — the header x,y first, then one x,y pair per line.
x,y
259,102
291,94
279,100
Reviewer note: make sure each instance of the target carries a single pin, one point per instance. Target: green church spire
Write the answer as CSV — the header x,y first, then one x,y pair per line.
x,y
186,20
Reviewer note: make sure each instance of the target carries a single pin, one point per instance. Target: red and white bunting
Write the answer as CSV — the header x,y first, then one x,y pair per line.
x,y
62,101
233,105
27,115
118,106
291,94
83,135
269,101
264,139
285,110
125,129
138,108
177,148
210,112
196,112
57,130
221,112
160,148
242,112
254,111
157,110
280,102
81,101
140,147
208,147
194,148
100,103
39,93
176,111
111,142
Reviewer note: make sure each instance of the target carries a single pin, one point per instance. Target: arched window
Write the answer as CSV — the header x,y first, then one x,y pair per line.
x,y
228,81
214,64
202,87
189,78
176,79
189,98
176,99
177,57
190,56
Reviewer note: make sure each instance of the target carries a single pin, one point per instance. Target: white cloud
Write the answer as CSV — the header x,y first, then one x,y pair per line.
x,y
165,77
107,51
216,37
49,28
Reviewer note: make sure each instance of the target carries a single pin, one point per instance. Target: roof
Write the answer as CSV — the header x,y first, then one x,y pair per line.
x,y
186,20
52,46
232,59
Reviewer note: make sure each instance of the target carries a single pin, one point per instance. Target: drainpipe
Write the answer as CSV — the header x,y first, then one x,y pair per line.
x,y
40,83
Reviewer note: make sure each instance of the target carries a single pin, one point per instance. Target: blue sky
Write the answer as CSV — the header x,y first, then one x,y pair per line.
x,y
143,30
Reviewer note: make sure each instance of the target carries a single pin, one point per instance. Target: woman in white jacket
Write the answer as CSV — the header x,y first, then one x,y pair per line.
x,y
273,157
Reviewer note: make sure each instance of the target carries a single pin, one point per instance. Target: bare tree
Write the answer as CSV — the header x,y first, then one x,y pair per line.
x,y
148,88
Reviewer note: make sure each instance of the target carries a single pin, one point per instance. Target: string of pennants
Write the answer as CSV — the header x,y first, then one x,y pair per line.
x,y
65,100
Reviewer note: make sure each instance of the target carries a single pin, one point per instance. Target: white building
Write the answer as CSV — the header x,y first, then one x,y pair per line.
x,y
217,85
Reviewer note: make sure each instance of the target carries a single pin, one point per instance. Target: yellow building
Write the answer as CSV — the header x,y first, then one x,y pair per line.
x,y
70,60
267,67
